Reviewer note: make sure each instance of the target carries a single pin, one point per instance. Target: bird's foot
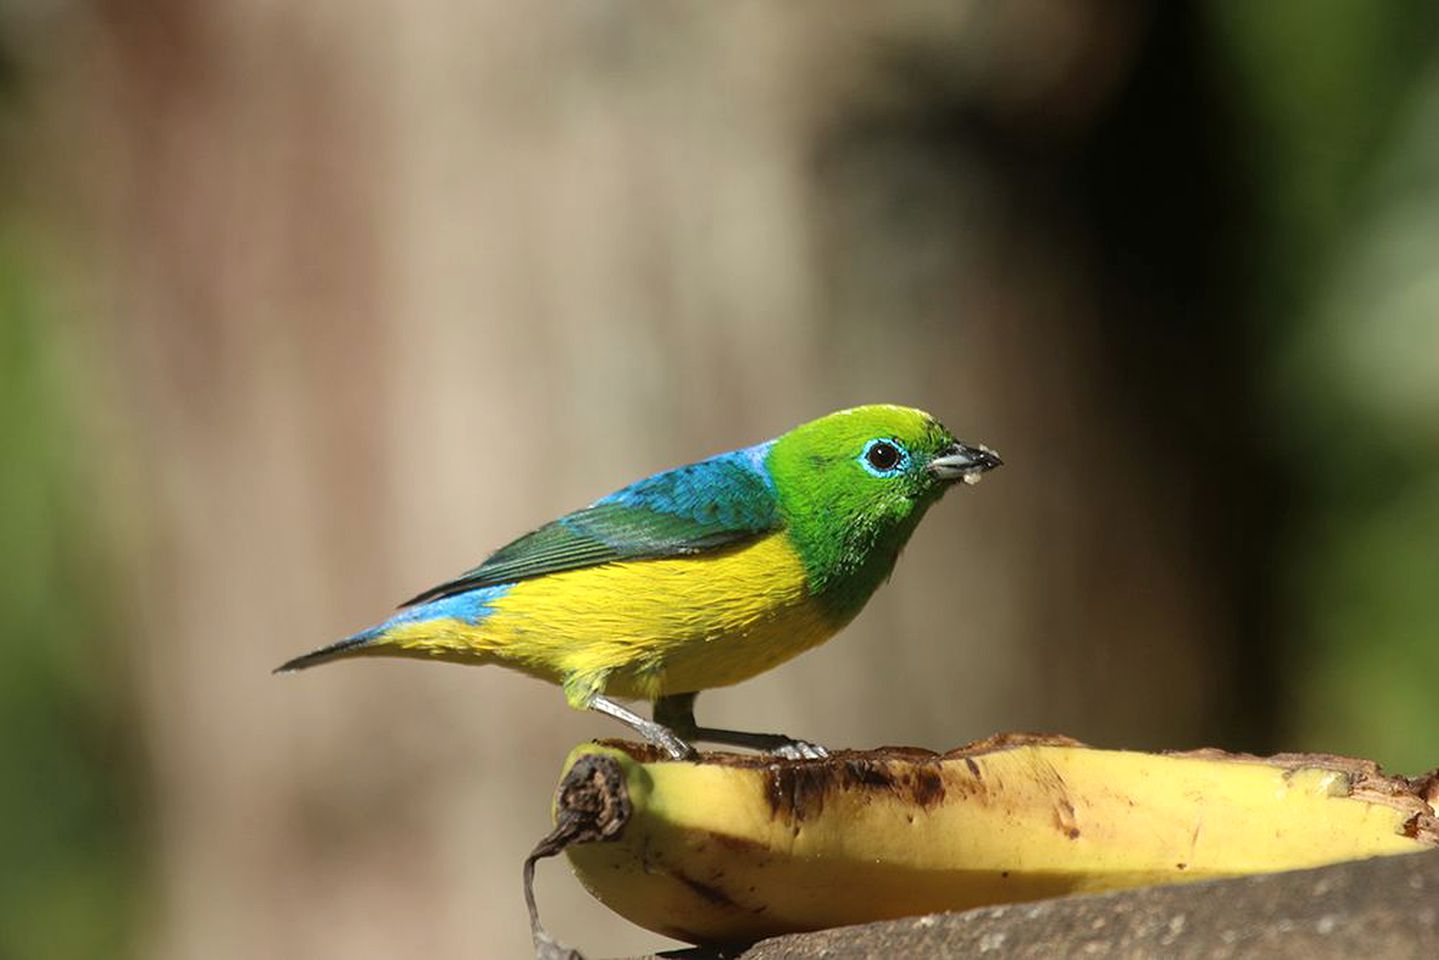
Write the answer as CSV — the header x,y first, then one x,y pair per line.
x,y
657,733
675,716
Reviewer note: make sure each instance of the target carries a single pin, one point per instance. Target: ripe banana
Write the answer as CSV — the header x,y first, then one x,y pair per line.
x,y
733,848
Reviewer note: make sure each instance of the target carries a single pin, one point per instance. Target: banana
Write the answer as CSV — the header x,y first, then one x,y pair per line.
x,y
733,848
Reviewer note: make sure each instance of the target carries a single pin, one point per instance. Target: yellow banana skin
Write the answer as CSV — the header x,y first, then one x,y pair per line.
x,y
734,848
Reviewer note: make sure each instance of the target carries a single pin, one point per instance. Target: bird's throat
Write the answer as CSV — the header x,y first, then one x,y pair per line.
x,y
855,561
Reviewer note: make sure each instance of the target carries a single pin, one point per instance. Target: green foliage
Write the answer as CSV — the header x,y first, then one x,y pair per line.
x,y
1344,99
1321,83
1365,404
68,813
1370,622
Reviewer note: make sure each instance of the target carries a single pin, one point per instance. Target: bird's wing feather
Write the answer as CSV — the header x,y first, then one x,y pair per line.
x,y
714,503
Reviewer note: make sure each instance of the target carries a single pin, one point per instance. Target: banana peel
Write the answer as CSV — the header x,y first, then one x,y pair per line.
x,y
732,848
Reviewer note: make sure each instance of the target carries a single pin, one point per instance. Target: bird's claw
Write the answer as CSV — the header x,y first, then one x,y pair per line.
x,y
547,948
677,748
800,750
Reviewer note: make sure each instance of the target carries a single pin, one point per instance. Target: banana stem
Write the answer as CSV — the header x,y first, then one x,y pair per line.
x,y
592,803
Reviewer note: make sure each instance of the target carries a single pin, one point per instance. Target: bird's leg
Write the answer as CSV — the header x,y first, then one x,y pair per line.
x,y
677,712
654,732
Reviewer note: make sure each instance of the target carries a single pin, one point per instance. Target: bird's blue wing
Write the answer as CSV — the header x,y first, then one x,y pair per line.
x,y
716,502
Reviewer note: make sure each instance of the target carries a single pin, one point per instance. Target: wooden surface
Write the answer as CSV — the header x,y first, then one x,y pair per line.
x,y
1385,908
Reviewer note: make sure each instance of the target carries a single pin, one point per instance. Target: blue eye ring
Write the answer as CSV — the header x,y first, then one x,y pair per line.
x,y
884,457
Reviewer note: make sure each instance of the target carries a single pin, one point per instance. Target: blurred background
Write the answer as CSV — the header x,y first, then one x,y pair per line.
x,y
306,307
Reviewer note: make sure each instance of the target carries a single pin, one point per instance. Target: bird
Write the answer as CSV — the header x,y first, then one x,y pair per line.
x,y
697,577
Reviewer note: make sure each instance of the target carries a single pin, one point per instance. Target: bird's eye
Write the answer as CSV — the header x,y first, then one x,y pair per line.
x,y
882,456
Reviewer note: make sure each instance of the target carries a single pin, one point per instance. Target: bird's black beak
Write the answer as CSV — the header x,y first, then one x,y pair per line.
x,y
963,461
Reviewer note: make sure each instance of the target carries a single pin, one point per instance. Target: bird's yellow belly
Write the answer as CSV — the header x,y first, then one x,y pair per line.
x,y
648,628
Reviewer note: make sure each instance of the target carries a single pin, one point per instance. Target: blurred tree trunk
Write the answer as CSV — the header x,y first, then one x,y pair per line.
x,y
391,283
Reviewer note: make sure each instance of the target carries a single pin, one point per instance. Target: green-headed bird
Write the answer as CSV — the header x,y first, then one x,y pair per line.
x,y
694,578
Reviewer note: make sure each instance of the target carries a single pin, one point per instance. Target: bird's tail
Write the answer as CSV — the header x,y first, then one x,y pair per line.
x,y
349,647
427,630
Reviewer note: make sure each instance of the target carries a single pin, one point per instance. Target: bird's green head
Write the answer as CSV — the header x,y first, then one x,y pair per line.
x,y
853,485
